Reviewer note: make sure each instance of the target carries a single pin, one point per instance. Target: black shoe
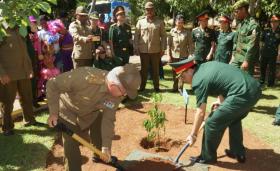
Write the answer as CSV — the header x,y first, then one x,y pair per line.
x,y
8,133
200,160
35,123
276,123
157,90
239,158
97,159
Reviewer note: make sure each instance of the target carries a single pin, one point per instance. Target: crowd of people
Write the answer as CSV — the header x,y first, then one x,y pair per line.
x,y
61,59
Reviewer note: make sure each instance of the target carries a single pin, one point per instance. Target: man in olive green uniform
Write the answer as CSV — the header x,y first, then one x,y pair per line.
x,y
270,50
224,40
237,93
86,100
150,43
82,36
204,39
15,75
120,38
276,122
246,43
179,45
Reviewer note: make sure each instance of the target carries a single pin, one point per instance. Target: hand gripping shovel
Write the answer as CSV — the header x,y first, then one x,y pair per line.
x,y
176,161
113,160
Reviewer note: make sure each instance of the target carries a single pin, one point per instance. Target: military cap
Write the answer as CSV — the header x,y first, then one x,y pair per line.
x,y
203,16
180,17
240,3
275,18
149,5
128,76
225,18
80,10
181,66
94,16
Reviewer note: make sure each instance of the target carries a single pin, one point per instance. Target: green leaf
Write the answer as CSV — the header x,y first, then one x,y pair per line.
x,y
44,6
24,22
53,1
23,31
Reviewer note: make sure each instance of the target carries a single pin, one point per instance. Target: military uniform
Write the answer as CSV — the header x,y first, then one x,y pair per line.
x,y
15,63
82,51
202,40
150,41
179,48
81,99
240,91
224,46
246,42
269,52
121,38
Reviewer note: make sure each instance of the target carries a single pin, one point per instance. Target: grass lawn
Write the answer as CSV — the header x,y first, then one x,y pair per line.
x,y
27,150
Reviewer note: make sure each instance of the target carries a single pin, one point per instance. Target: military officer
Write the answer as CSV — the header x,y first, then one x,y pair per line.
x,y
86,99
15,74
120,37
204,39
270,50
179,45
224,40
150,42
246,43
82,36
237,93
276,122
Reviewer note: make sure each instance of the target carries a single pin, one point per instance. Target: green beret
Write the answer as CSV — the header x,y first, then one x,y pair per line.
x,y
240,3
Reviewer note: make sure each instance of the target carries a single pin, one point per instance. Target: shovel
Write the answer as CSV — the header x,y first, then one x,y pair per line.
x,y
113,160
176,161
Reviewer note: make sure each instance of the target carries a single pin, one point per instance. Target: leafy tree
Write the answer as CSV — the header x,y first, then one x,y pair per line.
x,y
15,13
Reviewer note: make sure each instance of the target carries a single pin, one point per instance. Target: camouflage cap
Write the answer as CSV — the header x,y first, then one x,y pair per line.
x,y
240,3
94,16
129,77
80,10
149,5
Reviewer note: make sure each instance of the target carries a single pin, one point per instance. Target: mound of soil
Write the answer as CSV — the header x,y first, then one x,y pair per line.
x,y
163,145
153,164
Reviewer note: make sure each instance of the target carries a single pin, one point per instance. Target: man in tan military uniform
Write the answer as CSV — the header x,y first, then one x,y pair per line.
x,y
150,43
82,36
179,45
86,100
15,74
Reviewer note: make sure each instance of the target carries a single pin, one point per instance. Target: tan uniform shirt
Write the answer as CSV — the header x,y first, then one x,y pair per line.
x,y
179,43
150,37
82,49
79,96
14,59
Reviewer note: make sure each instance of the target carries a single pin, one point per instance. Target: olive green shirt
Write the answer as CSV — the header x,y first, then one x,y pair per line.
x,y
224,46
216,78
82,49
179,43
203,40
78,96
246,43
150,37
14,59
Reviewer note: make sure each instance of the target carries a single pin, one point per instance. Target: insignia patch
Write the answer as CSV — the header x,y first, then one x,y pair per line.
x,y
109,104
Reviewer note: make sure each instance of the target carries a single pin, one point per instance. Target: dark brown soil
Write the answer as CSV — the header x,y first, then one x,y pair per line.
x,y
153,164
129,133
163,145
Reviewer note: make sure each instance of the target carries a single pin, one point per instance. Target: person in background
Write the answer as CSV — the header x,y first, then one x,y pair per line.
x,y
204,39
246,42
270,51
120,38
150,44
225,39
81,32
178,45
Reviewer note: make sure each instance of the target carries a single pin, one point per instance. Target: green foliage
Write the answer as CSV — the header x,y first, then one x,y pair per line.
x,y
156,123
15,13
